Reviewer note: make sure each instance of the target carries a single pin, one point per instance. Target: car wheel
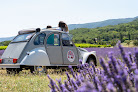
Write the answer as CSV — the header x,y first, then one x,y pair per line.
x,y
13,70
91,61
38,69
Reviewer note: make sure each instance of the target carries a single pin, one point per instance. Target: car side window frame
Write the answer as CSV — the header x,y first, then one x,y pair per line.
x,y
69,40
39,39
53,39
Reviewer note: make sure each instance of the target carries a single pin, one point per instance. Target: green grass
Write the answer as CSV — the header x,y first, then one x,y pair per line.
x,y
90,45
26,82
126,45
3,47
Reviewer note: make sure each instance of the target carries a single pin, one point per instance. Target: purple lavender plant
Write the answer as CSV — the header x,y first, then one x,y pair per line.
x,y
1,52
53,89
114,75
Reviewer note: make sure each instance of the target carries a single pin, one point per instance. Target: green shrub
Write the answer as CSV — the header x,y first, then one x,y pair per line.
x,y
135,42
3,47
77,45
91,45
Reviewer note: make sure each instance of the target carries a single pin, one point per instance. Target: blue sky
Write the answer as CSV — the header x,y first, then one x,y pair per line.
x,y
16,15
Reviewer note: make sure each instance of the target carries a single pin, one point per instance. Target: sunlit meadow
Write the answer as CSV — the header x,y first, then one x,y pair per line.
x,y
27,82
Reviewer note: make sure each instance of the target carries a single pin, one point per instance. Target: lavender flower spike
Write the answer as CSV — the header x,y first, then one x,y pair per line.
x,y
136,57
52,84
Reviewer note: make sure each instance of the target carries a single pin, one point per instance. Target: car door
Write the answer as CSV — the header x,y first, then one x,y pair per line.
x,y
53,48
69,50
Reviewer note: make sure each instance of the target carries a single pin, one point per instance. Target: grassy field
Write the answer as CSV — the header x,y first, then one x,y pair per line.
x,y
26,82
128,45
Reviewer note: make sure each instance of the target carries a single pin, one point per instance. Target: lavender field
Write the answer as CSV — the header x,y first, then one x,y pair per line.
x,y
114,75
1,52
103,52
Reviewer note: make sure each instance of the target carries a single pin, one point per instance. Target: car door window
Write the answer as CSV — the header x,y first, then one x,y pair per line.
x,y
39,40
53,40
66,40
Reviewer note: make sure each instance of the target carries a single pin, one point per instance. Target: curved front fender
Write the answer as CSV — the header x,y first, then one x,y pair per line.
x,y
36,57
86,55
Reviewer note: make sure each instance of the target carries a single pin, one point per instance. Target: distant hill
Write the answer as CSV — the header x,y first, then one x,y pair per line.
x,y
6,39
102,23
125,32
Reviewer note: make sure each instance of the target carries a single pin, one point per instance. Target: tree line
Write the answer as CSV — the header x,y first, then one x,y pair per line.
x,y
125,32
4,43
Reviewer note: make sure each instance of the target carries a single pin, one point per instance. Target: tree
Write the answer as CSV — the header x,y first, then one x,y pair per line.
x,y
83,40
129,36
121,37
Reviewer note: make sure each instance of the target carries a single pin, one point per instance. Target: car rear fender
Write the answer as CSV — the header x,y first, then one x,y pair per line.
x,y
36,57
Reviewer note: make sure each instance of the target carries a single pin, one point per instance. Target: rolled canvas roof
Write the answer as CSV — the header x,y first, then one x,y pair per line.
x,y
32,30
25,31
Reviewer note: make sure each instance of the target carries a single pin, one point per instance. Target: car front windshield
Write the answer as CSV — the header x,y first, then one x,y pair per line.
x,y
23,37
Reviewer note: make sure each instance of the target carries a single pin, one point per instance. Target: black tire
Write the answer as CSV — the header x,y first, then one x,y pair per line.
x,y
13,70
8,70
32,70
35,70
91,60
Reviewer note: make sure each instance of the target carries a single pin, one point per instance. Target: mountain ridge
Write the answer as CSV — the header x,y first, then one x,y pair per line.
x,y
101,23
6,38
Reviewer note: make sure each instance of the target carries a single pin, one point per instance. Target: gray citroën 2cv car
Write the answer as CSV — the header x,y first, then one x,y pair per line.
x,y
47,48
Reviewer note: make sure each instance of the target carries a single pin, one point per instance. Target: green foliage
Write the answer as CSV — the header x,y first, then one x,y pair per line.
x,y
4,43
127,42
3,47
121,37
90,45
113,42
106,35
135,42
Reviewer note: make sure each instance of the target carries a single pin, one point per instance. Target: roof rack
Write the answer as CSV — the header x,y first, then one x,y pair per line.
x,y
26,31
